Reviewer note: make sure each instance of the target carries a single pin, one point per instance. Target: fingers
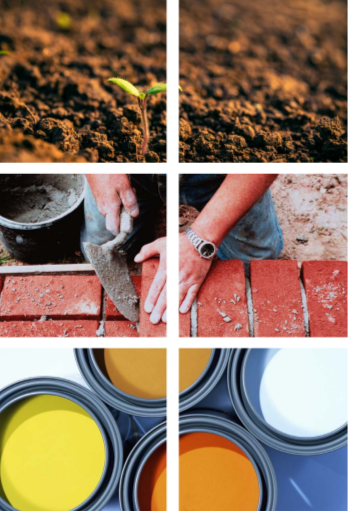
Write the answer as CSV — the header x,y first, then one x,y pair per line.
x,y
156,288
112,217
164,317
189,298
160,308
146,252
129,200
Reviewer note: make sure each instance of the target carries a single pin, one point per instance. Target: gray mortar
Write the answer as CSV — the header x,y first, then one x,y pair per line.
x,y
37,198
112,270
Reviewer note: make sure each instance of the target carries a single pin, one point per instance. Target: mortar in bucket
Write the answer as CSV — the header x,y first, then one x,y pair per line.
x,y
41,215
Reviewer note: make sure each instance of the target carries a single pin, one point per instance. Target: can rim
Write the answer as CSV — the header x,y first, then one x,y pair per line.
x,y
202,375
74,392
155,435
117,402
265,435
258,418
109,385
212,378
224,423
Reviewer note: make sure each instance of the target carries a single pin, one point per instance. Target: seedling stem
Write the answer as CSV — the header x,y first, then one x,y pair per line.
x,y
145,124
142,99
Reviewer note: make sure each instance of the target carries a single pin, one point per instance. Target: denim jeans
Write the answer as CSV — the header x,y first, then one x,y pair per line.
x,y
256,236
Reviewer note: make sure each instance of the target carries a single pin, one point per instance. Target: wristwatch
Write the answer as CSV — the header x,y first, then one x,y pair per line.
x,y
205,248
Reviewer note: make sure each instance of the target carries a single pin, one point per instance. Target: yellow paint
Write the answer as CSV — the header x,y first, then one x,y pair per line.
x,y
192,363
138,372
215,475
52,454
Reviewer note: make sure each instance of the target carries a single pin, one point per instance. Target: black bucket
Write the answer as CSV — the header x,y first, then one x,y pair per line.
x,y
41,215
73,392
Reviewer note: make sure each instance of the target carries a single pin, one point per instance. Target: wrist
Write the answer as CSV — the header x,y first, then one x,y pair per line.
x,y
206,232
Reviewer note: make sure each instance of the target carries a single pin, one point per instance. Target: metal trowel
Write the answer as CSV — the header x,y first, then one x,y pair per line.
x,y
111,267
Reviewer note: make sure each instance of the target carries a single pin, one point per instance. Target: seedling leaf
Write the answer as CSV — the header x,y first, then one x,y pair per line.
x,y
160,87
4,52
63,20
126,86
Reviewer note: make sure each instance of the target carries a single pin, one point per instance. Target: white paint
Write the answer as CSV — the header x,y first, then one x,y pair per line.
x,y
18,364
303,392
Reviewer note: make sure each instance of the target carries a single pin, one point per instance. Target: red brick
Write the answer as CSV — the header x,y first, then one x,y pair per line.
x,y
120,329
54,296
326,291
147,329
48,328
1,284
223,292
277,302
185,324
111,311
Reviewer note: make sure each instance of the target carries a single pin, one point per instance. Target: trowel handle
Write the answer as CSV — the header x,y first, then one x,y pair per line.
x,y
126,227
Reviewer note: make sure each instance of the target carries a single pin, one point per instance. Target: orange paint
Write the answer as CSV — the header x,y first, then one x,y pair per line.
x,y
192,363
152,489
215,475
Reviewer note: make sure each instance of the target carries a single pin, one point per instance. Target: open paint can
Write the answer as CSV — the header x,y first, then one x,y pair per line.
x,y
130,380
294,400
143,481
200,371
60,448
222,466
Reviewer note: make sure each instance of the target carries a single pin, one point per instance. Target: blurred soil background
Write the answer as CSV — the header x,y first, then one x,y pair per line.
x,y
312,212
55,104
263,81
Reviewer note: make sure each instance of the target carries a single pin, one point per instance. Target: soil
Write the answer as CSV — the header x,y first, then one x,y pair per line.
x,y
55,103
263,81
37,198
312,212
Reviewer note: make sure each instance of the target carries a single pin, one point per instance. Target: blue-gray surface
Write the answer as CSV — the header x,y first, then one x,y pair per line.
x,y
316,483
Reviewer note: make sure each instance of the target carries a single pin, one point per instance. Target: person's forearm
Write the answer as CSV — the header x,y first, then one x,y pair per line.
x,y
237,194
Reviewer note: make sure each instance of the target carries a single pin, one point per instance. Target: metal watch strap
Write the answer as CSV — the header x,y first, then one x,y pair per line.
x,y
192,236
197,242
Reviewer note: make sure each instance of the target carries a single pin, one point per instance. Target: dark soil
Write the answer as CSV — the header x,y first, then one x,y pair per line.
x,y
263,81
55,104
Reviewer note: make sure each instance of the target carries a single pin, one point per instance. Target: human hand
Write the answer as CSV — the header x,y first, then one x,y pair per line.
x,y
192,271
156,300
110,191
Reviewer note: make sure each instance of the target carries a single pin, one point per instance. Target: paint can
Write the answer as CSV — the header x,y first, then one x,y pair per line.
x,y
224,427
92,368
207,381
153,443
37,388
256,378
47,240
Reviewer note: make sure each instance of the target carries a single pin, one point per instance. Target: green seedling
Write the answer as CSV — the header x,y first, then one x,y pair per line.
x,y
63,21
4,52
142,99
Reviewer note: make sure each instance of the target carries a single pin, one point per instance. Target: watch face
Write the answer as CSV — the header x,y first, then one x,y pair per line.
x,y
207,250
